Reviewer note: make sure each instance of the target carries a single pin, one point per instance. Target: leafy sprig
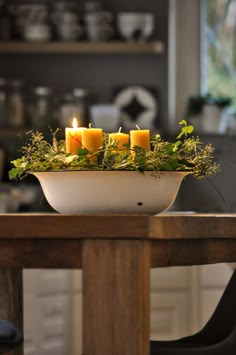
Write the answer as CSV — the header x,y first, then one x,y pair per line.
x,y
187,153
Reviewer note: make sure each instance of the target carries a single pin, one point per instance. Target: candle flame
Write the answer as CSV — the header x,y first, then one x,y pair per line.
x,y
75,123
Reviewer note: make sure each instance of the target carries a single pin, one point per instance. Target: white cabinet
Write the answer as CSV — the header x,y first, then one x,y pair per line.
x,y
182,300
47,312
213,280
171,302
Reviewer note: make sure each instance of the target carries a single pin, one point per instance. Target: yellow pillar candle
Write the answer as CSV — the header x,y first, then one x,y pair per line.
x,y
140,138
73,138
92,139
120,138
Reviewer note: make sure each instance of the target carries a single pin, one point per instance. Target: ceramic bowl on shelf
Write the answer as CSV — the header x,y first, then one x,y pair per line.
x,y
88,192
135,25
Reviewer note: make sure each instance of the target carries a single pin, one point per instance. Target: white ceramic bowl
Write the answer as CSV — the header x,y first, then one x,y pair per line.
x,y
132,25
110,191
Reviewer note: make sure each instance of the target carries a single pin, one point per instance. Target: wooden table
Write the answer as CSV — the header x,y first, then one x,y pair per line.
x,y
115,253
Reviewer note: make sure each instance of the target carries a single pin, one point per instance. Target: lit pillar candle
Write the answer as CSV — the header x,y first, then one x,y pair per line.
x,y
140,138
74,138
92,139
120,138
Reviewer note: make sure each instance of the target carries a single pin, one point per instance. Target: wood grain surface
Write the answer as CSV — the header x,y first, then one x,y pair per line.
x,y
120,276
163,226
35,226
192,225
54,241
111,47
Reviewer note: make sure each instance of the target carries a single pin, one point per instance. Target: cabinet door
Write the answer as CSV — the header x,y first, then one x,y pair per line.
x,y
171,306
182,300
213,279
47,312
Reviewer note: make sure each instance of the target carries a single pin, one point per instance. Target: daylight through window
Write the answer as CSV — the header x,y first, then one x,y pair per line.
x,y
219,48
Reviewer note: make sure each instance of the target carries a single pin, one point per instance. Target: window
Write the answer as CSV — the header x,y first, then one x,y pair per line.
x,y
219,48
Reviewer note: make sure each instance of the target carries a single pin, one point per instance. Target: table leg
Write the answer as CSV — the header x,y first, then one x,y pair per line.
x,y
116,297
11,300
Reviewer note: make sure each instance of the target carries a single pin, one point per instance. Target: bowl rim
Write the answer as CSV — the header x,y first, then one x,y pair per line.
x,y
113,171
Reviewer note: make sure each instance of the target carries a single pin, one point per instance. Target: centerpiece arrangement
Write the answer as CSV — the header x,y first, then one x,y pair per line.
x,y
92,171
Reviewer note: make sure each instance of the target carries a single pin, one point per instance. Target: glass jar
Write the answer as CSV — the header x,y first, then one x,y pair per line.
x,y
16,105
42,111
81,106
67,110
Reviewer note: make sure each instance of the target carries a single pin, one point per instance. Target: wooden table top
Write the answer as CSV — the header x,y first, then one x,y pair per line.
x,y
169,226
54,240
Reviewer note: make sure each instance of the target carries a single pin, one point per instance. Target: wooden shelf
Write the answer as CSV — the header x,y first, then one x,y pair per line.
x,y
114,47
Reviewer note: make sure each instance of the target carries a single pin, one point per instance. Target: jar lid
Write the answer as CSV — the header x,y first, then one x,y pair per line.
x,y
42,91
79,92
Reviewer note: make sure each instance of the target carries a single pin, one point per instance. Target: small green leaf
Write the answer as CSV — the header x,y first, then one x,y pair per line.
x,y
15,173
176,146
83,151
183,123
185,131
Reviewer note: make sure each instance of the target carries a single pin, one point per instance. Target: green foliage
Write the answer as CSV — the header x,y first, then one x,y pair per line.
x,y
187,153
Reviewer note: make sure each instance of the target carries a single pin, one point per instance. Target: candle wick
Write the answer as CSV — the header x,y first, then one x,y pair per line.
x,y
137,127
120,129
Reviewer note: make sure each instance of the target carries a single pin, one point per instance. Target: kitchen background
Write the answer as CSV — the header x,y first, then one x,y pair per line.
x,y
45,85
53,65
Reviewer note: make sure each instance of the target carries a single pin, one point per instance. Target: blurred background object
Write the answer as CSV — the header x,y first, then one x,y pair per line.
x,y
2,160
99,22
19,198
66,110
135,25
32,20
206,112
66,21
138,105
106,116
5,22
228,122
81,104
3,102
16,104
42,113
45,20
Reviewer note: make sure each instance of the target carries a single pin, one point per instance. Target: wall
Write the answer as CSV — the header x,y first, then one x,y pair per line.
x,y
184,57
